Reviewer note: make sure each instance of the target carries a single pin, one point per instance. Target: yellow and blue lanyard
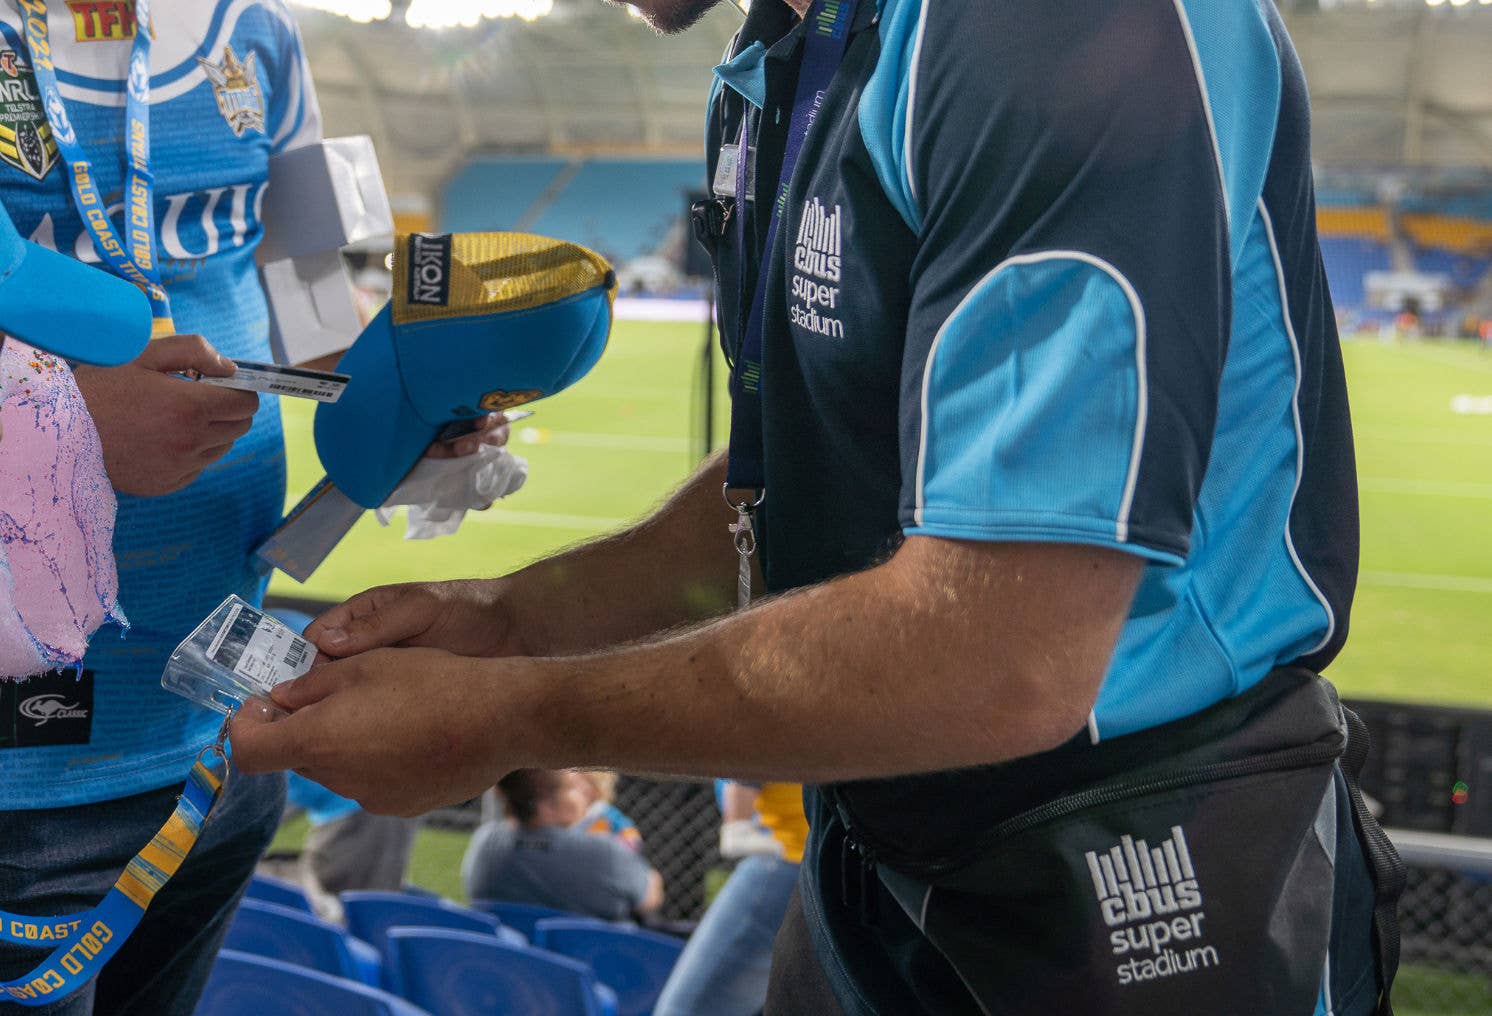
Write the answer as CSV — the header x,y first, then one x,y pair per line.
x,y
82,943
133,255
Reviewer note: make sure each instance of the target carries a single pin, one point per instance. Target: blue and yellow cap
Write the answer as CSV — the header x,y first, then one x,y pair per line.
x,y
478,323
68,308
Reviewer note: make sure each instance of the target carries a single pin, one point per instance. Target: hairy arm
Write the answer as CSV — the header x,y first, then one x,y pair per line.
x,y
676,566
950,654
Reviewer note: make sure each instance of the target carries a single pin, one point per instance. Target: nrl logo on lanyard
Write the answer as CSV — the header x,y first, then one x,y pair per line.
x,y
26,140
235,83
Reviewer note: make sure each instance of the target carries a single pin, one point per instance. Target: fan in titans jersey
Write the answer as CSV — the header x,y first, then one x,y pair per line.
x,y
229,87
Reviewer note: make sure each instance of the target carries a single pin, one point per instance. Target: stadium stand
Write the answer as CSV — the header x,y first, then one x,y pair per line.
x,y
621,208
496,193
291,936
244,985
277,890
456,973
633,962
522,917
1349,259
371,915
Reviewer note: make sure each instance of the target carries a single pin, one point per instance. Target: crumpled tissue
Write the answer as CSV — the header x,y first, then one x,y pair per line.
x,y
439,492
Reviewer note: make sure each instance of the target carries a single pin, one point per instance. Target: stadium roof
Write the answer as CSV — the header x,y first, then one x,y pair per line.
x,y
1393,82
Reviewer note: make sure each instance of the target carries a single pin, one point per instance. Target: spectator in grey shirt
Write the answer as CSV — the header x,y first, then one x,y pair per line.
x,y
541,856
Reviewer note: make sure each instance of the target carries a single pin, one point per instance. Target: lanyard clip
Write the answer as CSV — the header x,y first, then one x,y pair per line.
x,y
743,535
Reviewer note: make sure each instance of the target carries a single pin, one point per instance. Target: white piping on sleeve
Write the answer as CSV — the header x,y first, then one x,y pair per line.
x,y
906,142
1217,152
1142,395
1279,274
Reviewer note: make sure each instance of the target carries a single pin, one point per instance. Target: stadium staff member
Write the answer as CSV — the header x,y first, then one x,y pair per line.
x,y
1041,388
200,470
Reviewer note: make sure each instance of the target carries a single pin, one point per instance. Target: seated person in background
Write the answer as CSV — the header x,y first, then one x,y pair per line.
x,y
543,857
348,848
602,817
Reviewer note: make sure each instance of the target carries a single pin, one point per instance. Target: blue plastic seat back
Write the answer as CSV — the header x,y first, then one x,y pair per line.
x,y
370,915
633,962
457,973
277,890
280,933
519,916
244,985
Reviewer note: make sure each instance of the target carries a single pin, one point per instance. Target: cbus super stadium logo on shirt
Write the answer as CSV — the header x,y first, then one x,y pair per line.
x,y
1151,897
103,20
817,264
26,140
430,269
235,84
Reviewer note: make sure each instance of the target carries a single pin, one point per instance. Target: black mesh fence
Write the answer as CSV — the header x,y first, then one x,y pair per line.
x,y
680,827
1446,921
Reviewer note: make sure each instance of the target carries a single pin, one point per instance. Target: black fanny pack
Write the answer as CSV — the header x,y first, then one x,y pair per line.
x,y
1194,868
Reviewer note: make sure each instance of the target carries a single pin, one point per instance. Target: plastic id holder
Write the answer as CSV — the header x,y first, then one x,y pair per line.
x,y
238,653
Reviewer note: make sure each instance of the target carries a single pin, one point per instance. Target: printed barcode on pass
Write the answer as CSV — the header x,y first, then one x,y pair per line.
x,y
296,654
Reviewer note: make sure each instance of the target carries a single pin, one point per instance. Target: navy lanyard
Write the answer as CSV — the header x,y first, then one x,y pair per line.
x,y
132,256
826,37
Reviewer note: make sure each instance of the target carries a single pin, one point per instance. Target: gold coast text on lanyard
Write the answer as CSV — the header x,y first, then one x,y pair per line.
x,y
133,258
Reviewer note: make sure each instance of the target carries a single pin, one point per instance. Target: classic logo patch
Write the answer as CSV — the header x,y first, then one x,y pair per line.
x,y
26,140
49,709
1151,897
103,20
430,269
235,83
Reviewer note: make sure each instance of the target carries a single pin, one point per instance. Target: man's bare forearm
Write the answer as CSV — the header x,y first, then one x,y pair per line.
x,y
675,567
948,656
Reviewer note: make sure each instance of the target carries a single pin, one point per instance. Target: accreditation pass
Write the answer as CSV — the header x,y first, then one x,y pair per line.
x,y
259,649
252,376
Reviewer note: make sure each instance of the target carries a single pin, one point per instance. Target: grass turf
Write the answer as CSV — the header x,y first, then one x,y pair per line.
x,y
613,446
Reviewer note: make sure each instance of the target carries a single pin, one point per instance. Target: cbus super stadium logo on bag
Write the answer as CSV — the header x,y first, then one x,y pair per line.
x,y
430,269
26,140
1151,897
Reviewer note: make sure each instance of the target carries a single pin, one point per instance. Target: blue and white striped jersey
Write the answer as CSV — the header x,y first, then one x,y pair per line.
x,y
229,87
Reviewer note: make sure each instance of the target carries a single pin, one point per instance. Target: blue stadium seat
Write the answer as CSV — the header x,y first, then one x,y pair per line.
x,y
292,936
277,890
1348,261
244,985
456,973
633,962
519,916
370,915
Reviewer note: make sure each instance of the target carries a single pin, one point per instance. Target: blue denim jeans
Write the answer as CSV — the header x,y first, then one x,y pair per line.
x,y
723,970
64,860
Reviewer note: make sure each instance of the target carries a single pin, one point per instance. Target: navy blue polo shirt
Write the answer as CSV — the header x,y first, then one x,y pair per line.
x,y
1048,271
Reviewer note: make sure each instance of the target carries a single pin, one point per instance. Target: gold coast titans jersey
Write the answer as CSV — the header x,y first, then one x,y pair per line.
x,y
229,87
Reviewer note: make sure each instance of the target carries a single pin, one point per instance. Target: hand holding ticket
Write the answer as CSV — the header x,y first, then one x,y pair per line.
x,y
238,653
298,382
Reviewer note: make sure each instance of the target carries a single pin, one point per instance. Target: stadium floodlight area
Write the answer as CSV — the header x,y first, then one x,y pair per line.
x,y
433,13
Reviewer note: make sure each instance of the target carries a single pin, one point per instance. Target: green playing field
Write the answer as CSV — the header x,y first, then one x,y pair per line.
x,y
607,450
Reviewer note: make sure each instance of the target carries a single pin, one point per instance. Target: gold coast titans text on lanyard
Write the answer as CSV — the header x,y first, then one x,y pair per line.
x,y
134,257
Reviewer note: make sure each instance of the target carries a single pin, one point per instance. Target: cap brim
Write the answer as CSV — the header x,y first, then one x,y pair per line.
x,y
371,437
73,310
